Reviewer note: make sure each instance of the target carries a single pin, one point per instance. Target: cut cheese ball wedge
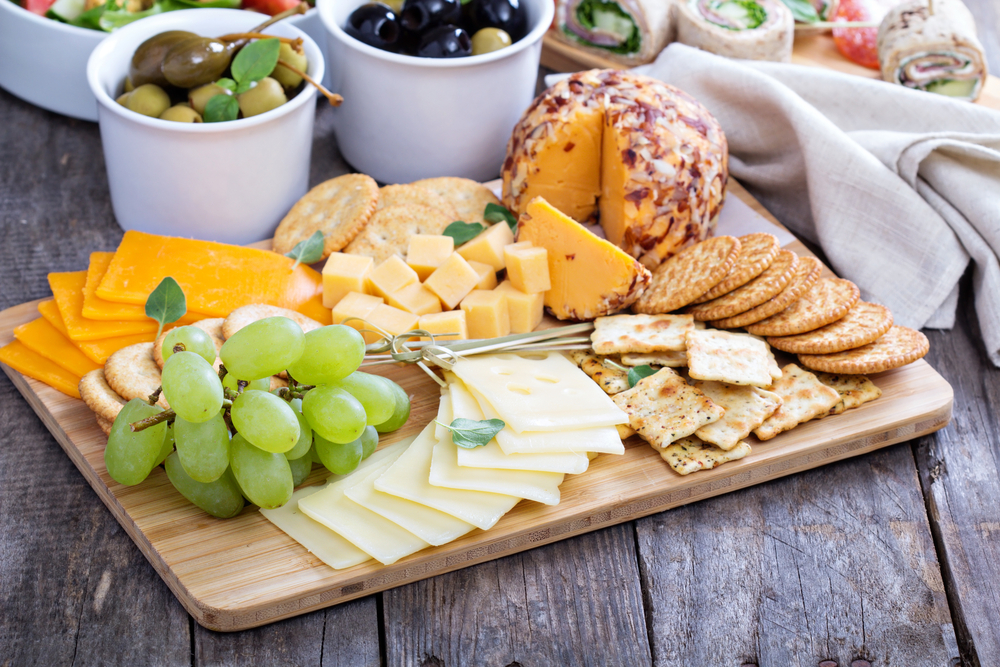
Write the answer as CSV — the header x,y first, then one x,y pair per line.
x,y
539,392
408,478
589,277
319,540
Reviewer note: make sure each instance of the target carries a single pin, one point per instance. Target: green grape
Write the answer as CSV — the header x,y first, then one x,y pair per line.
x,y
262,348
301,467
203,448
331,353
264,477
369,442
313,455
338,458
304,444
334,414
168,445
261,384
221,498
265,421
129,457
193,339
192,387
374,394
400,414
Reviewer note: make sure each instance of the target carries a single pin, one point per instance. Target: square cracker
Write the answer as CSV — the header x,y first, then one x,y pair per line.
x,y
689,455
663,408
854,390
611,380
804,397
617,334
671,359
746,409
728,357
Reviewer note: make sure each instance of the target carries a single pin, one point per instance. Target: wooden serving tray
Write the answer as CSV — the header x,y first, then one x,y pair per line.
x,y
244,572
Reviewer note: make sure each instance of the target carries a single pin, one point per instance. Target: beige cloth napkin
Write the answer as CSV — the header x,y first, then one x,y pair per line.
x,y
900,188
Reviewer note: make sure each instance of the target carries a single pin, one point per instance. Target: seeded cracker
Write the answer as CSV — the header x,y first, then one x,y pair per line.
x,y
211,326
669,359
245,315
827,301
765,286
898,347
132,373
803,397
408,195
689,455
687,275
388,232
854,390
617,334
99,396
757,252
746,409
340,208
728,357
611,380
806,275
864,323
467,196
663,408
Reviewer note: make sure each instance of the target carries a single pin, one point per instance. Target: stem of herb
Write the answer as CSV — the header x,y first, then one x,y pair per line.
x,y
335,99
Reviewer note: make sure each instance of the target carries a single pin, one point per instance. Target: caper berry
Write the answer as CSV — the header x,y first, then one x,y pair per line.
x,y
196,61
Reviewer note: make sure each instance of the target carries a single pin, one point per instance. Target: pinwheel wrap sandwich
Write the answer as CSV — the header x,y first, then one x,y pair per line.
x,y
750,29
630,32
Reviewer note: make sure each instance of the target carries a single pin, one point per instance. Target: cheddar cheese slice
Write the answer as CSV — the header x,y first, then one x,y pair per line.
x,y
41,337
590,277
96,308
97,351
67,288
34,365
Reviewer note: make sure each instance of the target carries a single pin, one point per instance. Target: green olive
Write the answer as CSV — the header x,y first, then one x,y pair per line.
x,y
181,113
395,5
148,58
266,95
129,86
196,61
149,100
488,40
199,97
123,99
296,59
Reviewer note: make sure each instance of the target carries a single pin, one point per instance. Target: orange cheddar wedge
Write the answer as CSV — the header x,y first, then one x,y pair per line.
x,y
67,288
34,365
96,308
216,278
42,338
50,311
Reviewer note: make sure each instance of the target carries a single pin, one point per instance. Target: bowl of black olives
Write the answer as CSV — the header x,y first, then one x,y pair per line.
x,y
199,140
434,87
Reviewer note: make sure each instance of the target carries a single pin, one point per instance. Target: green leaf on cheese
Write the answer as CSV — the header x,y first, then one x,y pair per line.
x,y
469,433
166,303
463,231
638,372
497,213
308,251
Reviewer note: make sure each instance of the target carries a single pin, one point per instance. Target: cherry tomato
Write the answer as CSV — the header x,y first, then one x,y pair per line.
x,y
269,7
860,44
38,6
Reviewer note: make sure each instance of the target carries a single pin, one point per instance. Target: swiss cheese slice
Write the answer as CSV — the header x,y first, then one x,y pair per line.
x,y
41,337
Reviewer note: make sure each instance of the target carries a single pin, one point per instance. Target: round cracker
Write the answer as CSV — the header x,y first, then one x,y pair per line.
x,y
105,424
132,373
410,194
765,286
757,252
389,231
806,275
898,347
681,279
340,208
245,315
467,196
99,396
827,301
864,323
212,326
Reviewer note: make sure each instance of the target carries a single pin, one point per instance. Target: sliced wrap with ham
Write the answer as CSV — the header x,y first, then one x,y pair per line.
x,y
631,32
750,29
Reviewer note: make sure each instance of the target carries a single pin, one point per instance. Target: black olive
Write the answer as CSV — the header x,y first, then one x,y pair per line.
x,y
374,24
420,15
508,15
446,41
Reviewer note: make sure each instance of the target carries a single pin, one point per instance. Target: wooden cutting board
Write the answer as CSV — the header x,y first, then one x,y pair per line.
x,y
243,572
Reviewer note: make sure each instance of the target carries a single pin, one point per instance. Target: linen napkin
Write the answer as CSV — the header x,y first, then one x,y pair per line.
x,y
900,188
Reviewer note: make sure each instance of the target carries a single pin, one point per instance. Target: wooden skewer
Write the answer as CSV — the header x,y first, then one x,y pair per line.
x,y
836,24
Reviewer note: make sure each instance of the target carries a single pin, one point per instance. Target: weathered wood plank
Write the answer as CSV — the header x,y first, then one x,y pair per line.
x,y
833,564
575,602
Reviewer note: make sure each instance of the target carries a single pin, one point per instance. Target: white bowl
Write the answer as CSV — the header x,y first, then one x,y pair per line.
x,y
405,118
231,181
45,61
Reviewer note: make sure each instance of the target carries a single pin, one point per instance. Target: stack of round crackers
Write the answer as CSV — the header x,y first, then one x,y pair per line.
x,y
752,283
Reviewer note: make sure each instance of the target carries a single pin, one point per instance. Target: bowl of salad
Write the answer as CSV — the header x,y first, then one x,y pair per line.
x,y
45,44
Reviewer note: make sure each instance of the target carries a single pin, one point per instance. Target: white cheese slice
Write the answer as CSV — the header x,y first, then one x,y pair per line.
x,y
319,540
539,392
408,478
444,415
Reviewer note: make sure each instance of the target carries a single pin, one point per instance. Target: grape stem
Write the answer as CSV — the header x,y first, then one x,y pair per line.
x,y
155,396
165,416
335,99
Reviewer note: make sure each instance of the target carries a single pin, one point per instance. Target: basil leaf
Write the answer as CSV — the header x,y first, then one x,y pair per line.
x,y
220,108
469,433
308,251
227,83
166,303
802,10
463,231
242,87
255,60
637,373
497,213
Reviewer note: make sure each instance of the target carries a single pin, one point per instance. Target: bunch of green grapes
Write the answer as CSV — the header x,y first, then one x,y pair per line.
x,y
227,436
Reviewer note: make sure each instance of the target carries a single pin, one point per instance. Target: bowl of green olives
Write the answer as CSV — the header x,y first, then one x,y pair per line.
x,y
203,145
434,87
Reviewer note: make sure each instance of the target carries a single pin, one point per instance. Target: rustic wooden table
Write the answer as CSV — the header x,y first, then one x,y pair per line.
x,y
891,558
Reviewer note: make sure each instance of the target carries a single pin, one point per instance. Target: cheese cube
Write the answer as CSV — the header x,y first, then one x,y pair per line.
x,y
357,305
486,314
450,322
391,276
452,280
427,252
393,320
487,276
415,299
488,246
345,273
524,310
527,267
